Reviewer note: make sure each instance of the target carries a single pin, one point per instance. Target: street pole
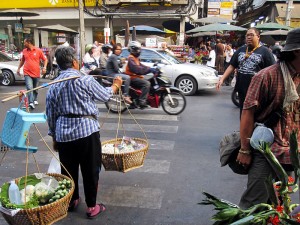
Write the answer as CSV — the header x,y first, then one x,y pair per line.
x,y
288,12
82,31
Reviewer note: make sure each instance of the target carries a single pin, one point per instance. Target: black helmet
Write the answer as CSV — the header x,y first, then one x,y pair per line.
x,y
134,48
106,47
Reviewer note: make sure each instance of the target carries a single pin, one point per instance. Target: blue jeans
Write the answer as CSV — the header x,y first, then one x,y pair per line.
x,y
30,84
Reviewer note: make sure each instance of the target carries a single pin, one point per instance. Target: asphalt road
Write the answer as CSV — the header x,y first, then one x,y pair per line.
x,y
182,161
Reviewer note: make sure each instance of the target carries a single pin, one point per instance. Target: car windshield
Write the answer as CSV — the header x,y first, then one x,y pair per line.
x,y
153,56
5,58
169,57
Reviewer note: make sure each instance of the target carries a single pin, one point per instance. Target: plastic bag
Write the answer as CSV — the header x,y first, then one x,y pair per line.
x,y
233,81
54,166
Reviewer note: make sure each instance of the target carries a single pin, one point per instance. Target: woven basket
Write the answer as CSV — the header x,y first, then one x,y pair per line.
x,y
124,162
43,215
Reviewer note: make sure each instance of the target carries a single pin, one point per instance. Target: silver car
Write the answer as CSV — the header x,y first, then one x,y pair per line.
x,y
188,77
8,70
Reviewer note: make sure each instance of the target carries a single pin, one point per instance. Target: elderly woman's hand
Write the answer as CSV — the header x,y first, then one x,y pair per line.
x,y
117,83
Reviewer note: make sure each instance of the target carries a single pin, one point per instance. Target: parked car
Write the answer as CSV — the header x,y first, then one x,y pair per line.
x,y
188,77
8,70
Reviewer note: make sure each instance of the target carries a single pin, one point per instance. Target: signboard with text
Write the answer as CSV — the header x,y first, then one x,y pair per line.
x,y
31,4
18,27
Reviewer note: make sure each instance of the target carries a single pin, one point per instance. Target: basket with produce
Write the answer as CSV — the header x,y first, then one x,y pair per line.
x,y
39,199
124,154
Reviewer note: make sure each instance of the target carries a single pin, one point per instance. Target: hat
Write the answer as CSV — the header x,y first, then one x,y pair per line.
x,y
292,41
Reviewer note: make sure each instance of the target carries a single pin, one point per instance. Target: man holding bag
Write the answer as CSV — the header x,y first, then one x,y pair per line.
x,y
273,88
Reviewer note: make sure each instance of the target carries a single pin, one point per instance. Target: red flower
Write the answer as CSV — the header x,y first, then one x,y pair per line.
x,y
291,180
279,208
274,220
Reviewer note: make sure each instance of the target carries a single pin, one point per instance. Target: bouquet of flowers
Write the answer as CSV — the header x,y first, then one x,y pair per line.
x,y
200,56
281,211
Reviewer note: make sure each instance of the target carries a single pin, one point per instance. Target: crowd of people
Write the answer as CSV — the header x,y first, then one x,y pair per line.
x,y
266,82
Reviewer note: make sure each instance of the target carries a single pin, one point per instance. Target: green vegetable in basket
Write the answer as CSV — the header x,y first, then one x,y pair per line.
x,y
43,192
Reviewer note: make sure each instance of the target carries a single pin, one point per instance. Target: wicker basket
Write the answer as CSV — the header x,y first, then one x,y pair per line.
x,y
124,162
43,215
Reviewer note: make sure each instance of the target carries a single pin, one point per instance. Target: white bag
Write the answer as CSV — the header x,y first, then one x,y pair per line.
x,y
233,81
54,166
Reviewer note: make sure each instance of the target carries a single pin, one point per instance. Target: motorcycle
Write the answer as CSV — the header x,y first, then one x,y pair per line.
x,y
234,94
235,98
161,93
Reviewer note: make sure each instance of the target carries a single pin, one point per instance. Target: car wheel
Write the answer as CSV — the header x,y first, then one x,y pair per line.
x,y
187,85
7,78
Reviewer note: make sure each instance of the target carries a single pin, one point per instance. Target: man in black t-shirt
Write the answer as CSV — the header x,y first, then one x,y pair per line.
x,y
248,60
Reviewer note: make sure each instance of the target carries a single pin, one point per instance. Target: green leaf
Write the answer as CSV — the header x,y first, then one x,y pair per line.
x,y
245,221
226,214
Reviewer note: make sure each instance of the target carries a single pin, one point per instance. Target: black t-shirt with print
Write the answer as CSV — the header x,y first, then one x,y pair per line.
x,y
247,68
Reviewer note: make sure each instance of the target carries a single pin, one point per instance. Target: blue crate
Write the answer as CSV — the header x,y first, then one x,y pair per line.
x,y
16,128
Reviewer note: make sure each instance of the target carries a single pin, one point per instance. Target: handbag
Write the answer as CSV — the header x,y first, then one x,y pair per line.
x,y
230,144
229,149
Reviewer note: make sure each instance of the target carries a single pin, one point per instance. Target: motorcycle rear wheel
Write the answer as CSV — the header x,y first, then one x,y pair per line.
x,y
179,101
115,104
235,98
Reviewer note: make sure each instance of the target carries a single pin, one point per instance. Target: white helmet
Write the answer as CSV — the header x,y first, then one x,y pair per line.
x,y
134,48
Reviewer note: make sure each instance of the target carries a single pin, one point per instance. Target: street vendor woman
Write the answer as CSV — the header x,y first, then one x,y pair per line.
x,y
72,116
273,89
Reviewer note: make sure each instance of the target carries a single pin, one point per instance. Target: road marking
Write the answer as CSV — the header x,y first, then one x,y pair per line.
x,y
154,144
130,196
146,128
138,117
154,166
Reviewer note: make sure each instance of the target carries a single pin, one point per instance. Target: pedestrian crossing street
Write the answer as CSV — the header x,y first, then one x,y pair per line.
x,y
159,127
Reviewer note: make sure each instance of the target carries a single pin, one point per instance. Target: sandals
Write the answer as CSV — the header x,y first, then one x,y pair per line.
x,y
94,212
74,205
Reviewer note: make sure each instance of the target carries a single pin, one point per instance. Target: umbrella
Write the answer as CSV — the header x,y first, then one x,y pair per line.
x,y
216,27
174,25
58,28
275,32
144,29
277,35
201,34
272,26
214,19
127,33
17,13
133,37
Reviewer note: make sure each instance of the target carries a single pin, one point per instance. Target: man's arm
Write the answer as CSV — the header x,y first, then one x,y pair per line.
x,y
226,74
246,130
20,65
45,65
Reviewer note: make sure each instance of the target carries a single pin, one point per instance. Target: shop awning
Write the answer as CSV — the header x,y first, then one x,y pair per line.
x,y
251,16
3,36
281,9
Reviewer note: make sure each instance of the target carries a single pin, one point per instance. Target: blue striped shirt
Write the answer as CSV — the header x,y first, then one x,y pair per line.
x,y
76,97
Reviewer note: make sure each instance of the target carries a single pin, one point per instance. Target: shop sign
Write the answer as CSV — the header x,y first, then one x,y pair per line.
x,y
26,30
106,34
213,12
31,4
215,5
18,27
226,11
150,42
227,5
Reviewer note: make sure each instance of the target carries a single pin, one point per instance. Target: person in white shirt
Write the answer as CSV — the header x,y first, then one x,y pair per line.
x,y
228,53
212,57
90,64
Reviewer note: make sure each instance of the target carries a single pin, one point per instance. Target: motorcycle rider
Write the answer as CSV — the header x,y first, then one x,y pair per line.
x,y
113,69
136,70
106,52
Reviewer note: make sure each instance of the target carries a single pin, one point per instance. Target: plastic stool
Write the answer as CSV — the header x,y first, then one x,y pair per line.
x,y
16,128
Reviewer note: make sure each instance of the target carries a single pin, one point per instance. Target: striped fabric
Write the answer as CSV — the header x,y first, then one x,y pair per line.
x,y
76,97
